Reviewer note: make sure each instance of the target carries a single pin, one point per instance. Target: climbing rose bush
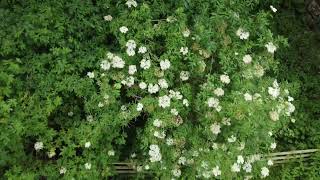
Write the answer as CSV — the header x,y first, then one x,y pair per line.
x,y
183,89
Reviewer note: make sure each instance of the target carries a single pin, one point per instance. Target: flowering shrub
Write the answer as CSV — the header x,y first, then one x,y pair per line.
x,y
182,89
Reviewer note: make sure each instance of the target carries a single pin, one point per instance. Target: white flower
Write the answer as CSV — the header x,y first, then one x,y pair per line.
x,y
213,102
139,107
182,160
87,144
216,171
111,153
240,159
290,108
129,81
215,128
131,44
290,99
123,108
186,33
270,133
142,85
225,79
218,92
62,170
235,167
274,115
153,88
87,166
165,64
131,3
160,135
175,94
247,167
184,50
130,52
147,167
100,104
275,90
163,83
176,172
110,55
184,75
174,112
70,113
154,153
164,101
142,50
273,145
293,120
247,97
38,146
185,102
232,139
105,65
145,64
247,59
270,162
264,172
133,155
271,47
108,18
89,118
157,123
51,153
242,34
123,29
226,121
117,62
273,9
132,69
90,74
169,141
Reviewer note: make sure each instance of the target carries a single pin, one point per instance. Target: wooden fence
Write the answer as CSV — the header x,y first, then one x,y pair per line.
x,y
277,158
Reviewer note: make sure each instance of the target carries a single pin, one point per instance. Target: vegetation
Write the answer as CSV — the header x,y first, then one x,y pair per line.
x,y
183,89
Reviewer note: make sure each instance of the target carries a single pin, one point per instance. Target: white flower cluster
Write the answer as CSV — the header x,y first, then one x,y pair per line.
x,y
157,123
271,47
184,75
145,64
184,50
247,59
123,29
225,79
274,91
38,146
154,153
129,81
242,34
116,62
153,88
142,50
215,128
214,103
165,64
131,46
164,101
131,3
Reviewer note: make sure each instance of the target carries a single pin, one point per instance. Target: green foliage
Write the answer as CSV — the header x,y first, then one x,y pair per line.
x,y
70,107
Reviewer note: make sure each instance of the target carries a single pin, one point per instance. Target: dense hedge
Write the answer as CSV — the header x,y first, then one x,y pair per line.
x,y
181,88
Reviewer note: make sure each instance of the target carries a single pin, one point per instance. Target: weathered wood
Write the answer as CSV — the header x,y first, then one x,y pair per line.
x,y
277,158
